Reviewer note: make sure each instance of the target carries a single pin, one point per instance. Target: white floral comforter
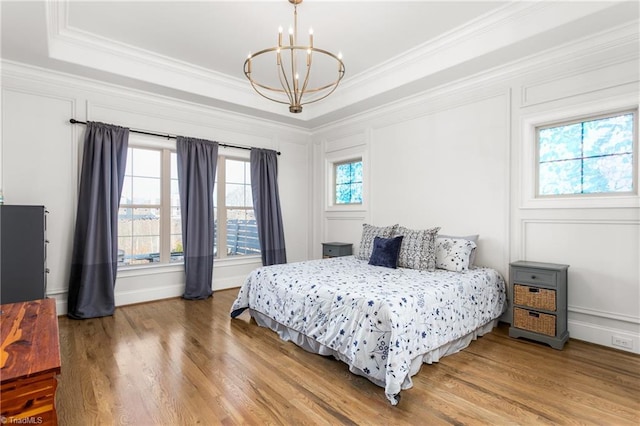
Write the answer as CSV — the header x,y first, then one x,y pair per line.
x,y
378,319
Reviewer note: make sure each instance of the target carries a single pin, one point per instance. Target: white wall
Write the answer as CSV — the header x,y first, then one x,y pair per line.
x,y
41,151
460,157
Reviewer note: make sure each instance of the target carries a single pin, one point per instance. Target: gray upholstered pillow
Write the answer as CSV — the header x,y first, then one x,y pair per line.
x,y
418,250
369,232
474,238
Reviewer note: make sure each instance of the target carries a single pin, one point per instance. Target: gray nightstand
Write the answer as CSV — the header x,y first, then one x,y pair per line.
x,y
539,302
336,249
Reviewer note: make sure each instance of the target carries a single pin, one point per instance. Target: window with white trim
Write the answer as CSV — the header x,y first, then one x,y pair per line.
x,y
235,224
149,227
588,156
347,178
149,219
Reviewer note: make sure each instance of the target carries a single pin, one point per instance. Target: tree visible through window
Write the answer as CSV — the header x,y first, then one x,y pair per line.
x,y
587,157
348,182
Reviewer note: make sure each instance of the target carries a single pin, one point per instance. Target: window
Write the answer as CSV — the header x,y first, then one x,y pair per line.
x,y
235,222
592,156
348,182
149,227
149,221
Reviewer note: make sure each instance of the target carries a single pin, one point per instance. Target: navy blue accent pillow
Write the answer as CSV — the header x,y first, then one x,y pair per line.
x,y
385,252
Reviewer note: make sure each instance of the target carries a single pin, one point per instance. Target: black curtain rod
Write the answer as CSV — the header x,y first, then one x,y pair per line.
x,y
141,132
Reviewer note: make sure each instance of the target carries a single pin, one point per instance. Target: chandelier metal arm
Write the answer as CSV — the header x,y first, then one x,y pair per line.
x,y
275,89
266,96
306,78
293,40
322,97
284,82
293,76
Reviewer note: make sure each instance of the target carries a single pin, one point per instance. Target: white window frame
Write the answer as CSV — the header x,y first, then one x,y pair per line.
x,y
130,271
165,148
529,157
582,120
222,208
340,157
334,173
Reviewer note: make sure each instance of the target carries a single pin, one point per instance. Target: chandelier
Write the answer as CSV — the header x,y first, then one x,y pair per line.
x,y
287,77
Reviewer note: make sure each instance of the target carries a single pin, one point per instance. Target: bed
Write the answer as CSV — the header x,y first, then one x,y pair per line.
x,y
384,323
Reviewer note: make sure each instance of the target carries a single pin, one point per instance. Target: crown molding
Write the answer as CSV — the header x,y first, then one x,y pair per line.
x,y
509,24
38,80
621,41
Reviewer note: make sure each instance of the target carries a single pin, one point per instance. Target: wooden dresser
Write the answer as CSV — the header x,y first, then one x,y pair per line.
x,y
29,362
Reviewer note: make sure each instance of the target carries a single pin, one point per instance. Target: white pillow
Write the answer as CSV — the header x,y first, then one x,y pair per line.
x,y
454,254
474,238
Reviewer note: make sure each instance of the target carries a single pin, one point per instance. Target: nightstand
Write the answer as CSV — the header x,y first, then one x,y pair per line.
x,y
539,302
336,249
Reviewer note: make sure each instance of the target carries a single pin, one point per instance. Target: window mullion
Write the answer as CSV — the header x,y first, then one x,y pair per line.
x,y
582,158
221,236
165,206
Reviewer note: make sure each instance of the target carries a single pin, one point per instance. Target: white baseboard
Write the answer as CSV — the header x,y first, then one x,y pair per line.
x,y
123,298
601,335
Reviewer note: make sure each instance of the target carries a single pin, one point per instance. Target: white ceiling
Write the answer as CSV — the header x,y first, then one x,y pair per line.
x,y
195,50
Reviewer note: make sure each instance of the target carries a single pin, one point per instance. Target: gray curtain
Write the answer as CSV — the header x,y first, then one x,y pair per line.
x,y
94,262
197,161
266,203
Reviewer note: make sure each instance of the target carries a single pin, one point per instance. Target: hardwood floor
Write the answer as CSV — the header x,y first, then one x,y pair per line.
x,y
178,362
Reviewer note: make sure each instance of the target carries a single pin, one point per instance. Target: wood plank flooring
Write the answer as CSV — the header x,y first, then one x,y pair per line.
x,y
178,362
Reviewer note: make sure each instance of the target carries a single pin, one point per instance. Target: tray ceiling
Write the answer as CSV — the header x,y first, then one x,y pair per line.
x,y
195,50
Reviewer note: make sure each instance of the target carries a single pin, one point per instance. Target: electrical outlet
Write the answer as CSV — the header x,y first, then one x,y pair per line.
x,y
622,342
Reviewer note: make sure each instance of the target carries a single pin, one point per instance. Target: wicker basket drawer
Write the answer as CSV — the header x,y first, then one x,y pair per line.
x,y
534,297
534,321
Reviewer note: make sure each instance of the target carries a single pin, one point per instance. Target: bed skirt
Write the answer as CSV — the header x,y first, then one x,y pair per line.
x,y
311,345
